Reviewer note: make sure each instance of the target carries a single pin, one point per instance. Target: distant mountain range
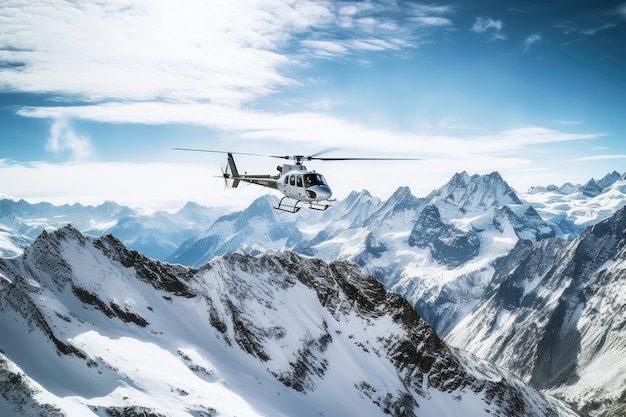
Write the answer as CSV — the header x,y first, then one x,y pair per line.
x,y
569,209
156,235
530,281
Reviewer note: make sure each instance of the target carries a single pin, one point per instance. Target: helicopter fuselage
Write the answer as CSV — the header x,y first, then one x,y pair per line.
x,y
298,183
295,182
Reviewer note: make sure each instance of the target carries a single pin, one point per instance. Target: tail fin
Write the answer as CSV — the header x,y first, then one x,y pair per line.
x,y
233,170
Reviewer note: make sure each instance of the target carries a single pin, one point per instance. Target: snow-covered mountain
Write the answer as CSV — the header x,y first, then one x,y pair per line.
x,y
91,328
257,229
156,235
437,251
569,209
556,316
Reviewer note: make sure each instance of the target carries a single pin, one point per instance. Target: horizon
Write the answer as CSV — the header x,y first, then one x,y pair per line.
x,y
268,193
94,97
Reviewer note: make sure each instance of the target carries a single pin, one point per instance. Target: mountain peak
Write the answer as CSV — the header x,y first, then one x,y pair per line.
x,y
469,193
591,188
609,179
402,199
401,202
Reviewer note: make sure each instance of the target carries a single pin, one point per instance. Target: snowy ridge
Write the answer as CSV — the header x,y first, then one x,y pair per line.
x,y
93,329
556,317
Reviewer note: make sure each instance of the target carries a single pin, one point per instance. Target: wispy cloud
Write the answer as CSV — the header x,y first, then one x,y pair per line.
x,y
308,128
530,40
593,31
488,25
369,26
605,157
568,28
450,123
64,139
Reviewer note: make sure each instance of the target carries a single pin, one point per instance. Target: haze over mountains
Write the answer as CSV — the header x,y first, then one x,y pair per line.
x,y
528,281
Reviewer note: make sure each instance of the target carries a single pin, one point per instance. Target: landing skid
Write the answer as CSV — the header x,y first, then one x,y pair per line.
x,y
295,208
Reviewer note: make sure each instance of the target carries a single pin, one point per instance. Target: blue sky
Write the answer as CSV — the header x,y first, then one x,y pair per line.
x,y
93,96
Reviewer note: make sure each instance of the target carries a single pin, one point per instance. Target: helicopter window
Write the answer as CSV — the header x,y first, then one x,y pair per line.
x,y
286,179
292,180
314,179
299,181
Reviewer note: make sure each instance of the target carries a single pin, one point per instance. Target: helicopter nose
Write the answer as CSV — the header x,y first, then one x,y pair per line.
x,y
319,192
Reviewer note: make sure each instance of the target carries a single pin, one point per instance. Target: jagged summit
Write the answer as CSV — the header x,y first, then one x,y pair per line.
x,y
401,203
591,188
92,329
470,193
609,179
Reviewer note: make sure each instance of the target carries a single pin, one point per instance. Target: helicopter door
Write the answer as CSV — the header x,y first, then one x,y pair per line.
x,y
294,186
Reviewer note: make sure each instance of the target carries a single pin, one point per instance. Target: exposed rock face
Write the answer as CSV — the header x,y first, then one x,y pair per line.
x,y
241,335
556,316
447,244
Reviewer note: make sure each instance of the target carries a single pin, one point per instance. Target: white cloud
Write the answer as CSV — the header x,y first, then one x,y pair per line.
x,y
307,128
487,24
226,52
599,158
326,48
426,10
530,40
64,139
433,21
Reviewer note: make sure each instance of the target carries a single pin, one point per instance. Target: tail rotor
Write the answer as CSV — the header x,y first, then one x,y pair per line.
x,y
227,175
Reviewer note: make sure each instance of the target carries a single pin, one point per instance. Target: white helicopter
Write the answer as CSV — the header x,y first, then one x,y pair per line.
x,y
307,188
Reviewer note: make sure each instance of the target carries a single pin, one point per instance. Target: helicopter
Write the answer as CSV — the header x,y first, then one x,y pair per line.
x,y
300,186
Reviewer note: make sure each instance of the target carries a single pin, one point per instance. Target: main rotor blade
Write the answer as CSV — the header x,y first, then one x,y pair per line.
x,y
323,151
365,159
301,157
211,151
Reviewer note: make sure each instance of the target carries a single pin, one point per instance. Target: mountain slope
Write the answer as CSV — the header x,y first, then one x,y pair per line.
x,y
557,317
93,329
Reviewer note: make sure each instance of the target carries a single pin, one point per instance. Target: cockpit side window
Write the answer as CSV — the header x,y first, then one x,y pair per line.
x,y
286,179
292,179
299,180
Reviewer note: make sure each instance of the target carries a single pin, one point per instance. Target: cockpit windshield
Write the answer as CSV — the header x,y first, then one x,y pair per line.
x,y
313,179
